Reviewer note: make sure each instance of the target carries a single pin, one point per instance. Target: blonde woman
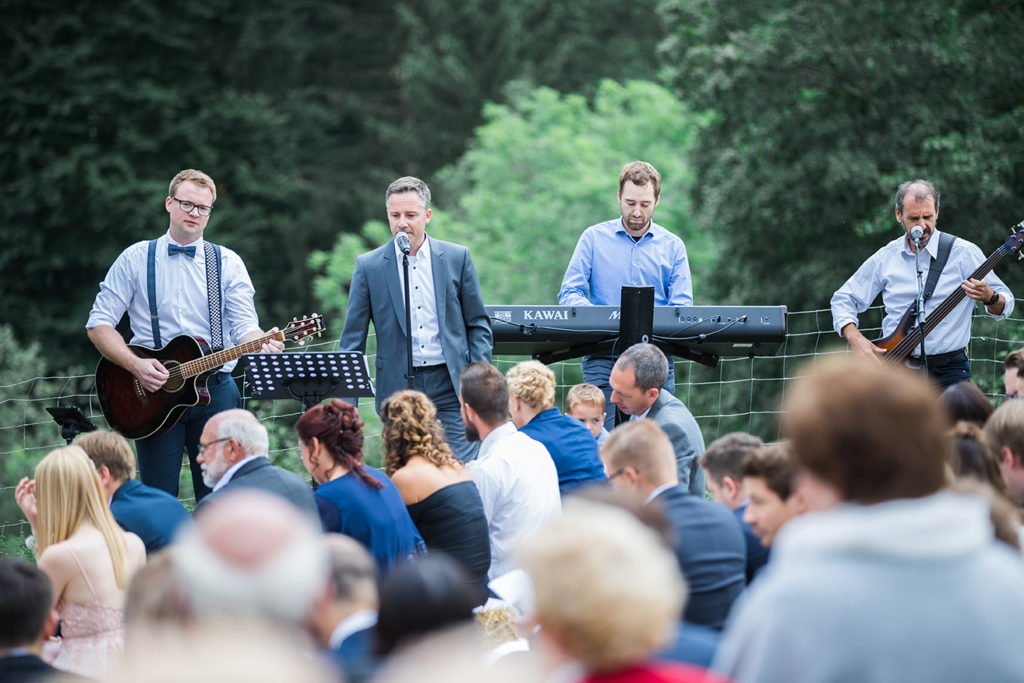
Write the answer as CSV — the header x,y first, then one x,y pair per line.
x,y
86,556
441,498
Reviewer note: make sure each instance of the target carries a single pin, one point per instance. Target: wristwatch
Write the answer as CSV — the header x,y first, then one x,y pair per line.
x,y
994,300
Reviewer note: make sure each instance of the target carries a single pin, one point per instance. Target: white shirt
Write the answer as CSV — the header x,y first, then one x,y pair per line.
x,y
890,271
231,471
353,623
425,333
518,484
181,295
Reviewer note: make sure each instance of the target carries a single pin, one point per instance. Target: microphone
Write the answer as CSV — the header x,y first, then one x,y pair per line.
x,y
916,233
402,240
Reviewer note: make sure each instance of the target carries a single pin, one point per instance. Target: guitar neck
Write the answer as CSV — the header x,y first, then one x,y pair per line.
x,y
194,368
913,338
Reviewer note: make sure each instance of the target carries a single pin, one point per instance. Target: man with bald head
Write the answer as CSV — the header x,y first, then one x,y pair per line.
x,y
233,455
250,556
892,271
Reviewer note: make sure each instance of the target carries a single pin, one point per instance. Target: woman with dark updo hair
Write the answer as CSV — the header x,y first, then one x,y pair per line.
x,y
354,499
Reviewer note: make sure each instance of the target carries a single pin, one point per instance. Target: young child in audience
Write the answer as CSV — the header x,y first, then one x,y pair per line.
x,y
585,402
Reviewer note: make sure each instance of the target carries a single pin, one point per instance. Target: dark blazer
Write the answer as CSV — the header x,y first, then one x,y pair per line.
x,y
355,656
30,668
259,473
153,515
669,413
711,553
376,295
571,445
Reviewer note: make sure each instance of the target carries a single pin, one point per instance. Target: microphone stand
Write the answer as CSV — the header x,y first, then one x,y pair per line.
x,y
920,299
408,320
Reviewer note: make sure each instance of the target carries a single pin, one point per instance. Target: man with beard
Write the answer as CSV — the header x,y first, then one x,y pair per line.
x,y
629,250
516,476
891,272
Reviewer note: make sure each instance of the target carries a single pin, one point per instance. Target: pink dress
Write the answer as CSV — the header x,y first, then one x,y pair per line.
x,y
92,636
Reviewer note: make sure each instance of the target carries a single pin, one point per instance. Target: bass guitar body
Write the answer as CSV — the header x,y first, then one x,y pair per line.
x,y
891,343
139,414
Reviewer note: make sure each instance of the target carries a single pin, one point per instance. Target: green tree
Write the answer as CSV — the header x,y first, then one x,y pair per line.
x,y
823,108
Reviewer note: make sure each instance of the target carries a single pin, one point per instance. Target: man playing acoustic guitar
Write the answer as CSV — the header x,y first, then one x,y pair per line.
x,y
166,287
965,278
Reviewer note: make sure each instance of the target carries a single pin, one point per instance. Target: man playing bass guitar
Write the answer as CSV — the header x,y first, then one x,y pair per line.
x,y
166,287
965,278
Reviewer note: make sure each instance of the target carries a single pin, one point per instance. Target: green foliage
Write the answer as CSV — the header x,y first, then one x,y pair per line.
x,y
824,108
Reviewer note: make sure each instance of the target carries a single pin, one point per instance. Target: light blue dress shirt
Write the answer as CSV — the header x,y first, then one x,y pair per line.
x,y
890,271
606,259
181,295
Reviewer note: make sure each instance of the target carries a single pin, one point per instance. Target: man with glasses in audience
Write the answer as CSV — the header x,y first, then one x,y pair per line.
x,y
173,268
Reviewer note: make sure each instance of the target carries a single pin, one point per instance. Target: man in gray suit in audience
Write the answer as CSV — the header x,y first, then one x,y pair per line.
x,y
636,380
450,326
233,456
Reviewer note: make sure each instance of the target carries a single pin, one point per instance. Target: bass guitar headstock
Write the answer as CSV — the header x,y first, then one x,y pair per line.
x,y
1015,241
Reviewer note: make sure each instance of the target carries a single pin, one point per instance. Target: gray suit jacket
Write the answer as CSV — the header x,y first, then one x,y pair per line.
x,y
376,295
261,474
669,413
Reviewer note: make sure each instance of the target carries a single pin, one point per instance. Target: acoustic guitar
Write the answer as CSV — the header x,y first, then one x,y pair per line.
x,y
906,337
138,414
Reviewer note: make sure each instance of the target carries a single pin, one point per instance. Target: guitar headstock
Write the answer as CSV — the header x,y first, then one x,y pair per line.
x,y
298,330
1016,240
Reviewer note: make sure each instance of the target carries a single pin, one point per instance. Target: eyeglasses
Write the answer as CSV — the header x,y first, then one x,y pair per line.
x,y
204,446
187,207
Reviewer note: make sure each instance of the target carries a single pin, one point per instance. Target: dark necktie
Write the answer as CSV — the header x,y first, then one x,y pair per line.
x,y
173,249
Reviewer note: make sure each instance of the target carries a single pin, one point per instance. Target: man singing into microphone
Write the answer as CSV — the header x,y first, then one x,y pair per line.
x,y
450,327
891,271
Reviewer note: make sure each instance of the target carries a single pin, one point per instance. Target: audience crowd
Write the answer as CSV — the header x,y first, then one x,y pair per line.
x,y
878,540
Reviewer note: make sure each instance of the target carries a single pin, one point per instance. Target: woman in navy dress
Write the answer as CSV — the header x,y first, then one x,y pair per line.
x,y
354,499
441,498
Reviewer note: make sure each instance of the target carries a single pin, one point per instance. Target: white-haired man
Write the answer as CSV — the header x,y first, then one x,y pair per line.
x,y
233,455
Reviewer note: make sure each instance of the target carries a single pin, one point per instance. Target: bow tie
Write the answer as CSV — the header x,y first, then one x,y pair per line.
x,y
173,249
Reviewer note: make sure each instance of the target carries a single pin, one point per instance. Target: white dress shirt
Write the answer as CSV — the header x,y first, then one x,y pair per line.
x,y
890,271
518,484
182,302
426,335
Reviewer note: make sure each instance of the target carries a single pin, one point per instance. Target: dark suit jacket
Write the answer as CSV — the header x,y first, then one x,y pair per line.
x,y
711,553
376,295
355,656
261,474
669,413
29,668
150,513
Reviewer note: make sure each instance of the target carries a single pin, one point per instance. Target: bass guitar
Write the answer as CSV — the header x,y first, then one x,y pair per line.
x,y
138,414
906,337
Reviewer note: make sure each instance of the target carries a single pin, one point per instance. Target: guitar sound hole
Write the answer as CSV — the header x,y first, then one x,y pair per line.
x,y
175,382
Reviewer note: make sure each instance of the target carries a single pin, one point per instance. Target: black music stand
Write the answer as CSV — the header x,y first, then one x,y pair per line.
x,y
71,420
309,377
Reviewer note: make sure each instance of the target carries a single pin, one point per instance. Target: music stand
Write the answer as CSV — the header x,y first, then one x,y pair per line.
x,y
308,377
71,420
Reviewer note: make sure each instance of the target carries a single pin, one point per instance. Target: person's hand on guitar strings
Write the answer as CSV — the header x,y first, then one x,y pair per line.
x,y
152,375
979,290
273,345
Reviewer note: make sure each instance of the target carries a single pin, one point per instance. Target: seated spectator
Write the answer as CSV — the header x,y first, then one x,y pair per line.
x,y
151,514
849,583
354,499
531,391
708,542
607,596
769,477
1004,435
1004,515
155,601
721,465
442,500
27,619
972,458
585,402
1012,365
233,455
251,557
516,477
88,558
344,616
965,401
423,598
